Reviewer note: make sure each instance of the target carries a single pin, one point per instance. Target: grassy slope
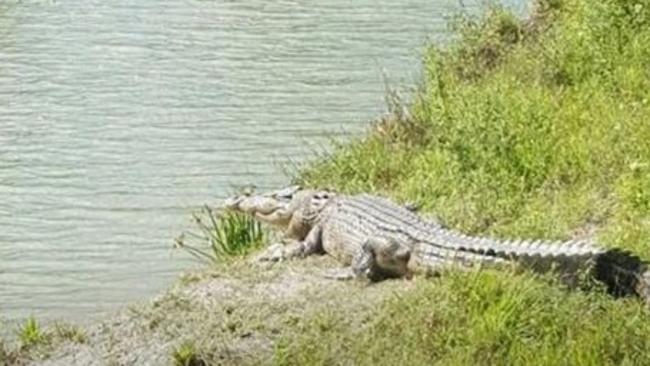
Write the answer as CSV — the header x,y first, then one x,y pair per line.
x,y
535,128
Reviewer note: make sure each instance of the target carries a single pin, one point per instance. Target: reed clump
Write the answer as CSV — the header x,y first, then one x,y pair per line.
x,y
219,235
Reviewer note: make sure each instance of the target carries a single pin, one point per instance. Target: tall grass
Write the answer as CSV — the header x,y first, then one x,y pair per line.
x,y
536,127
219,235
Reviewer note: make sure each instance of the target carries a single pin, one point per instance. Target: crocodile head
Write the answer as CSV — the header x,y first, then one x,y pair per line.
x,y
284,207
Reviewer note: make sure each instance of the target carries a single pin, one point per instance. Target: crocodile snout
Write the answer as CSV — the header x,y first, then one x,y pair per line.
x,y
263,205
232,203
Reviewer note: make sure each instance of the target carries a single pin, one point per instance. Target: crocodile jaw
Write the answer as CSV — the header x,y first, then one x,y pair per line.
x,y
273,208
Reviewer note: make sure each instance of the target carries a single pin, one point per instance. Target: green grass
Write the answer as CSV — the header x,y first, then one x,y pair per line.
x,y
480,318
521,128
31,334
186,355
549,136
221,235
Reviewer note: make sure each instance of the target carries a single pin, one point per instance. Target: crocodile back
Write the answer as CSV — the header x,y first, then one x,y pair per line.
x,y
350,220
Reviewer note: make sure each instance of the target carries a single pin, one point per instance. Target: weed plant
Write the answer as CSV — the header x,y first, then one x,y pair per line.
x,y
220,235
31,334
186,355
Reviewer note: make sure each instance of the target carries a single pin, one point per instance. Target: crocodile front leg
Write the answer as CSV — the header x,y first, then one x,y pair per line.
x,y
312,244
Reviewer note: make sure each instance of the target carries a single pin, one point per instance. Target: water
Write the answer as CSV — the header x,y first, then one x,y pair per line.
x,y
118,118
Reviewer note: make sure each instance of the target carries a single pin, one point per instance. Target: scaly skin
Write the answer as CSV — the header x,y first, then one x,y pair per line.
x,y
377,239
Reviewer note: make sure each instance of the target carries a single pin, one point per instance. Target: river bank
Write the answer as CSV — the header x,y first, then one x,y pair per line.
x,y
522,128
235,314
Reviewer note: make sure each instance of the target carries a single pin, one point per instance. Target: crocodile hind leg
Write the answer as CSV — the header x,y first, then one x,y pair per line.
x,y
363,265
376,260
390,258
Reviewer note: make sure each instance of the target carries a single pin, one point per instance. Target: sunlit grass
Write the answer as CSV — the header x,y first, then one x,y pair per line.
x,y
548,137
478,318
535,128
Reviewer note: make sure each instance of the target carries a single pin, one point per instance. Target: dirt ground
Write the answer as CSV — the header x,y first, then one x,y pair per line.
x,y
234,314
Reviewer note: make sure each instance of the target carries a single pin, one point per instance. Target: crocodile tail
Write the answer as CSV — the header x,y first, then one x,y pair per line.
x,y
623,273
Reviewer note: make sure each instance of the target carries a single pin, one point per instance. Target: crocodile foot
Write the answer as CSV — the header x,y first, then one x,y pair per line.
x,y
273,253
278,252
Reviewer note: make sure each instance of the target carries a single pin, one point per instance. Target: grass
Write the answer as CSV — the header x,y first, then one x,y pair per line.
x,y
480,318
31,334
70,332
7,357
221,235
534,127
35,341
186,355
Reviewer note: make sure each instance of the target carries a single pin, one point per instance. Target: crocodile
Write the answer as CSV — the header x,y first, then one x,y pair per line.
x,y
376,239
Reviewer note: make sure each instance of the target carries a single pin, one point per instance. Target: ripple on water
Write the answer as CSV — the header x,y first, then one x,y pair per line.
x,y
117,118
